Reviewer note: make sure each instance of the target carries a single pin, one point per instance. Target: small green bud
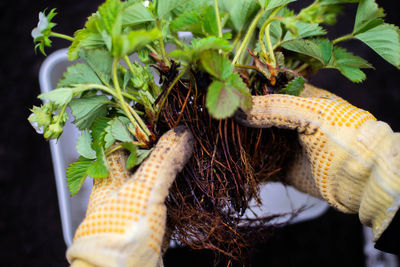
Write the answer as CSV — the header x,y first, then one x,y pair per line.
x,y
144,56
41,117
54,131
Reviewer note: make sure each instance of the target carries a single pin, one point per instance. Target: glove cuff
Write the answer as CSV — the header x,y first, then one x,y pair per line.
x,y
110,250
80,263
378,207
381,198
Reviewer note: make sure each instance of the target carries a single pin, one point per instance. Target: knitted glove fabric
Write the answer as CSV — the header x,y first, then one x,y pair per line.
x,y
348,157
125,219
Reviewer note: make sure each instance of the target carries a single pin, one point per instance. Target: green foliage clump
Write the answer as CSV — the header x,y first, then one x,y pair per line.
x,y
116,103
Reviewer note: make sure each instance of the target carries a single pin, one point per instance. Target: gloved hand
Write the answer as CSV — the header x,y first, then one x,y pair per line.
x,y
125,219
348,157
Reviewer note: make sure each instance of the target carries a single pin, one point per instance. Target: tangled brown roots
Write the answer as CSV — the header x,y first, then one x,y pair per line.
x,y
207,202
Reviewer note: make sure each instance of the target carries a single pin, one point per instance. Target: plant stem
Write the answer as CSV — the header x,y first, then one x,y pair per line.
x,y
168,91
163,52
113,150
100,87
110,151
61,113
242,66
62,36
137,121
218,18
302,67
131,97
146,130
236,40
265,30
178,42
108,90
129,63
343,38
151,49
248,35
261,36
269,45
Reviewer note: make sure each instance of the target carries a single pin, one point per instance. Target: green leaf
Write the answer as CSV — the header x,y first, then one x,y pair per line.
x,y
76,174
343,57
87,38
332,2
79,73
384,39
326,49
353,74
110,18
186,55
59,96
131,2
200,23
126,44
305,30
192,5
87,109
331,57
241,12
84,145
127,77
100,61
191,54
109,139
320,49
210,21
271,4
216,65
164,7
275,32
294,87
280,59
241,91
84,39
119,130
135,14
367,11
189,21
130,162
223,99
99,130
142,154
99,168
349,65
320,12
211,42
221,102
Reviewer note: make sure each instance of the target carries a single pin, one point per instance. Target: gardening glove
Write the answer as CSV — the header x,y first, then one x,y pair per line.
x,y
348,157
126,215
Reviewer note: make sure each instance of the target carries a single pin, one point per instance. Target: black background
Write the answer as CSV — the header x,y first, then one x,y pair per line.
x,y
30,228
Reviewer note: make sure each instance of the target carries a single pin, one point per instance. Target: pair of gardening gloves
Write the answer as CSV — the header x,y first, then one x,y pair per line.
x,y
348,158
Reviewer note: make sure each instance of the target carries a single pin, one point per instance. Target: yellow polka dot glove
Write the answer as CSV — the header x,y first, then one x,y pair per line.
x,y
125,219
348,157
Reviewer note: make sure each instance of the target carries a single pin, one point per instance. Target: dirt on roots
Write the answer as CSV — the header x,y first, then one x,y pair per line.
x,y
208,199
